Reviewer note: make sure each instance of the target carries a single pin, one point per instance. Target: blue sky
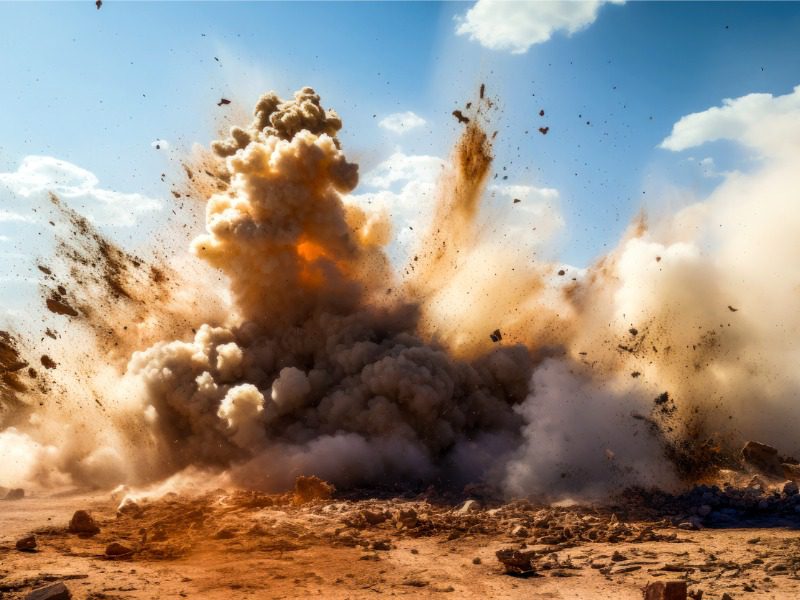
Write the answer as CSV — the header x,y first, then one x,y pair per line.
x,y
97,88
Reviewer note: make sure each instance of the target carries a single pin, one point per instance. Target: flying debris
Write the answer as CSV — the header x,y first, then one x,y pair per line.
x,y
223,101
460,116
732,309
98,4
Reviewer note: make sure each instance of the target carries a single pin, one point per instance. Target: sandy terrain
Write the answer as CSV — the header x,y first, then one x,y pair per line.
x,y
248,545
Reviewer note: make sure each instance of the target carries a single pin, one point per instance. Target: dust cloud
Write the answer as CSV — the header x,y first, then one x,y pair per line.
x,y
472,365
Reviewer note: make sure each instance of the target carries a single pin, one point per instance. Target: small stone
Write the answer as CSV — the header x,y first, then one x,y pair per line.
x,y
117,550
476,560
83,523
381,545
54,591
27,544
726,596
666,590
618,556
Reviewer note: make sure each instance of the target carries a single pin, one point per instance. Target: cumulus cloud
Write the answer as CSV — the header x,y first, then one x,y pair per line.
x,y
763,122
402,122
404,187
516,26
80,188
534,214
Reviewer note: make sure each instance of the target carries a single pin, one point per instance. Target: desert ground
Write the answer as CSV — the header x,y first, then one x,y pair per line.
x,y
242,544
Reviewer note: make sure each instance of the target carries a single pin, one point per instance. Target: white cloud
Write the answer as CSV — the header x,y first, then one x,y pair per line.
x,y
402,122
405,186
518,25
7,216
763,122
534,220
79,187
400,167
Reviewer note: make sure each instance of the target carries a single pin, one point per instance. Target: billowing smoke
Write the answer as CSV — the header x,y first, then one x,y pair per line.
x,y
471,364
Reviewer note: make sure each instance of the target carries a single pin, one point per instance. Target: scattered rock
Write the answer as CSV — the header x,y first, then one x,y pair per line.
x,y
476,560
83,523
55,591
666,590
223,101
381,545
117,550
27,544
496,336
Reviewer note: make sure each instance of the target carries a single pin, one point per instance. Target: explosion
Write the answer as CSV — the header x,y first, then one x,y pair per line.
x,y
316,357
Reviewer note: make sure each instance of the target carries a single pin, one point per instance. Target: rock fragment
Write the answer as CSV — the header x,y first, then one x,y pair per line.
x,y
763,458
54,591
117,550
26,544
666,590
83,523
516,562
308,489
